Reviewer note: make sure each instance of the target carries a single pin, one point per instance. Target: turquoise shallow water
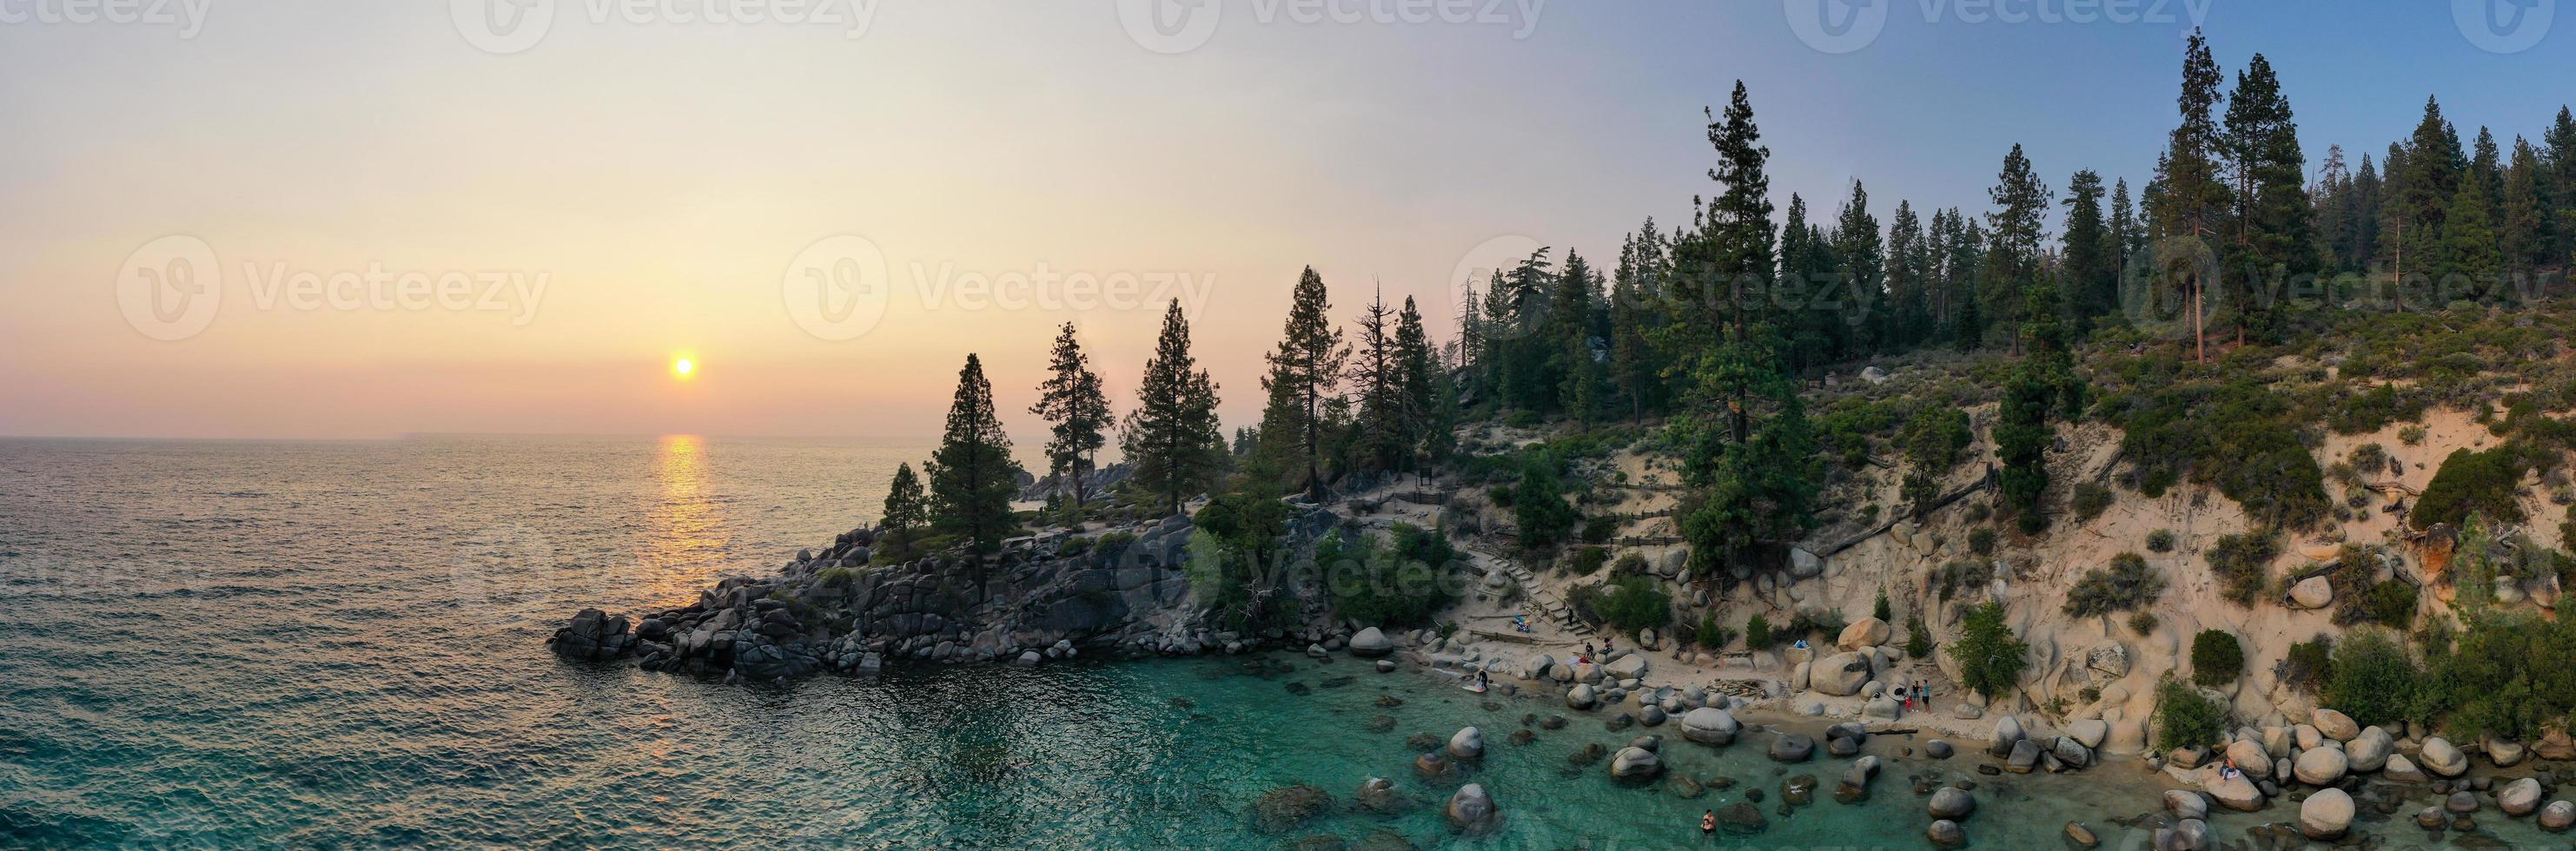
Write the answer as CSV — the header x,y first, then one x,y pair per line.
x,y
338,645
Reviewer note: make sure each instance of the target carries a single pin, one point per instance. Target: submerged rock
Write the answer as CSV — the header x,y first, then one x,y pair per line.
x,y
1284,808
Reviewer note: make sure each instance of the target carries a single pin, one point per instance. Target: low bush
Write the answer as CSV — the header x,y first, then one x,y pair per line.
x,y
1824,624
1981,540
1962,575
1588,560
2143,623
2242,564
2216,658
1713,635
1918,639
1600,529
2126,585
2308,665
2472,482
2160,541
2090,501
2186,718
1631,603
2372,678
1757,633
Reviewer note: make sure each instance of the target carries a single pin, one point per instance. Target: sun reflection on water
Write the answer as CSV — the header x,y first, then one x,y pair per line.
x,y
687,527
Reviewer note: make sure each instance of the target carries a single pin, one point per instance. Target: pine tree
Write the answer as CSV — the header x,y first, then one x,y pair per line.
x,y
2092,264
2042,386
907,512
2524,235
1869,321
1305,376
1377,373
1172,436
2016,230
2469,254
1072,401
972,475
1423,392
2433,163
2190,200
1570,310
1636,293
2559,199
1909,273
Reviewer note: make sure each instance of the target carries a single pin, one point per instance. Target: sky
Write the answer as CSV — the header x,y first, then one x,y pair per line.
x,y
226,219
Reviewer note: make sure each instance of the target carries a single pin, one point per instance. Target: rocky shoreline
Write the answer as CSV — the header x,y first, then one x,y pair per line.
x,y
1125,592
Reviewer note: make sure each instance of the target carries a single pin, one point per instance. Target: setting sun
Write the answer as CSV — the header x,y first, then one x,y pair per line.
x,y
684,368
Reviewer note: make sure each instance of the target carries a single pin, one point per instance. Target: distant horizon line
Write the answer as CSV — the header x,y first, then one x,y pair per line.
x,y
416,435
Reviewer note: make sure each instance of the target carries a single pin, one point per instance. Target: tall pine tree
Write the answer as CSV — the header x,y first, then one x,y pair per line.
x,y
972,475
1071,400
1172,436
1304,382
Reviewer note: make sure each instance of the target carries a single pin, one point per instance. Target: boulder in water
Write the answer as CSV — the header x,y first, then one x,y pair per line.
x,y
1471,809
2519,798
1371,643
1951,802
1467,744
2558,816
2442,758
1710,725
1792,747
2326,814
1945,833
1635,763
1288,806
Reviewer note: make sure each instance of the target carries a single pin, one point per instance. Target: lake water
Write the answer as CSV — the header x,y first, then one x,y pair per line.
x,y
341,644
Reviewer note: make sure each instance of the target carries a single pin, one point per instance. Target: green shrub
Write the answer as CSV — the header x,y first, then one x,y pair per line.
x,y
1630,562
1966,574
2090,501
1824,624
1588,560
1713,635
1981,540
2160,541
1757,633
1990,657
1934,437
2242,562
1627,603
2510,675
2479,482
1539,506
2143,623
2128,584
2372,679
2186,718
836,577
1918,639
1883,610
2216,658
1400,581
1599,530
2411,435
2309,664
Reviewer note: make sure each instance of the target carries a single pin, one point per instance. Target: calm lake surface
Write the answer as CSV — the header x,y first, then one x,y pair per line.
x,y
341,644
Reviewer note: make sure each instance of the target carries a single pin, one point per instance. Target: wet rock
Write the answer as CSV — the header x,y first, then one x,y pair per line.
x,y
1552,722
2007,733
1946,834
1382,724
1378,795
1948,802
1433,765
2025,756
1792,748
1472,810
2442,759
1371,643
2082,836
2461,803
1523,737
2519,798
2326,814
2235,793
1937,749
2402,770
1684,787
1710,725
1590,754
2184,803
1741,819
1467,744
2558,816
1635,763
2185,835
1286,807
